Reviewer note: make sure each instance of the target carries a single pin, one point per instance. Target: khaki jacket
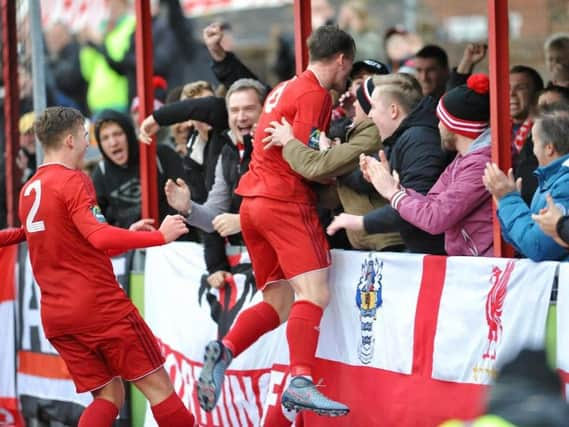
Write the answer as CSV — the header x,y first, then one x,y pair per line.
x,y
322,166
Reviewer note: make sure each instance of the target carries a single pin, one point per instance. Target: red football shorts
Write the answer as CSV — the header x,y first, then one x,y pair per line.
x,y
284,239
126,349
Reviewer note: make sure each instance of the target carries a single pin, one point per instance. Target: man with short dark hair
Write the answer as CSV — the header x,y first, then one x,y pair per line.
x,y
431,65
525,84
289,256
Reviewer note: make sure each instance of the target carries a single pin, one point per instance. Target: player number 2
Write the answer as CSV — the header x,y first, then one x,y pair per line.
x,y
31,225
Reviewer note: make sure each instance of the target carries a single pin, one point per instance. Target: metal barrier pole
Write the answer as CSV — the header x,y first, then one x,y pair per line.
x,y
302,29
499,54
144,69
38,67
11,108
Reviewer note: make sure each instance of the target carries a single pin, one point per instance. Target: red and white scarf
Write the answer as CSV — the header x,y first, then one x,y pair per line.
x,y
522,134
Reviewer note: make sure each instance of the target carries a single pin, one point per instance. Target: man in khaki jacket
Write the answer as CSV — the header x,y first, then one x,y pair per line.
x,y
333,160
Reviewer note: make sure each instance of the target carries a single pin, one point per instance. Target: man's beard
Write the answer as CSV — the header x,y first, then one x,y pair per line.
x,y
448,142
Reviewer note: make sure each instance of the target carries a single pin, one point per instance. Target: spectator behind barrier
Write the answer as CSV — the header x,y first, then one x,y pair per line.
x,y
525,84
333,160
203,146
560,77
457,205
400,46
553,222
343,112
432,70
343,123
177,56
556,50
160,87
102,47
551,148
244,102
69,86
26,159
282,63
117,177
179,132
473,54
226,66
552,95
407,124
353,18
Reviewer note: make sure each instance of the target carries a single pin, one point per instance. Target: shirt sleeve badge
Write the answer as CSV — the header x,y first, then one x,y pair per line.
x,y
98,214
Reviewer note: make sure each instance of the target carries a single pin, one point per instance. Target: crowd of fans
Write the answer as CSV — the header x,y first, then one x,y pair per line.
x,y
411,105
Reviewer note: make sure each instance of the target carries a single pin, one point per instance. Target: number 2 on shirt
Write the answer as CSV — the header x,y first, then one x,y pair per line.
x,y
31,225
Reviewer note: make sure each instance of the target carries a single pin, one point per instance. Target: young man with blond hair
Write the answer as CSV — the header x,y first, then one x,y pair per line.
x,y
408,126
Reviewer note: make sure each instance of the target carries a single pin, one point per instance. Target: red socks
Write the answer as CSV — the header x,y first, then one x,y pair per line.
x,y
100,413
250,326
172,413
302,332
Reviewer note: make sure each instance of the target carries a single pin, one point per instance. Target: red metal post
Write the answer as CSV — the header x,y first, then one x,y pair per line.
x,y
11,108
302,29
499,54
145,91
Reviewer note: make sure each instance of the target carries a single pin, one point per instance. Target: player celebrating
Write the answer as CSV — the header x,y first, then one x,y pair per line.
x,y
282,232
86,315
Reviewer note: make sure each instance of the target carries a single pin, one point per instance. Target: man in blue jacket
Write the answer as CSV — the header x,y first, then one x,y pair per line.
x,y
551,147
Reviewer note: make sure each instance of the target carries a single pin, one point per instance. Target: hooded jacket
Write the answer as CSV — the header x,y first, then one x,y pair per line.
x,y
118,187
414,151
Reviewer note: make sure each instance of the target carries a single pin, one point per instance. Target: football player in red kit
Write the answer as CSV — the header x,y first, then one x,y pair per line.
x,y
285,240
85,314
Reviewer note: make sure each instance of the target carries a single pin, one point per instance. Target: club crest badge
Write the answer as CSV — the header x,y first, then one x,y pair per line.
x,y
368,300
98,214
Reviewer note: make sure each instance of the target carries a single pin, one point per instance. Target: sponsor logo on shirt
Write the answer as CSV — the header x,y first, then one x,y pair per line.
x,y
314,139
98,214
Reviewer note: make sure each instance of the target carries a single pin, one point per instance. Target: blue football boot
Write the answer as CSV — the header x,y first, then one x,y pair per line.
x,y
217,358
302,394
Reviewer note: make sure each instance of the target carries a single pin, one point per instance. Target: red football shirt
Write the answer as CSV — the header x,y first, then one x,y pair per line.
x,y
305,104
79,290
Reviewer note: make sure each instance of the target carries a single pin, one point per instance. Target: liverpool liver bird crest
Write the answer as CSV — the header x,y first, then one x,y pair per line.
x,y
494,307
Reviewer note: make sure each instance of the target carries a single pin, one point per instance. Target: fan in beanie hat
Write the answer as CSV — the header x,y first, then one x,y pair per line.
x,y
363,94
465,110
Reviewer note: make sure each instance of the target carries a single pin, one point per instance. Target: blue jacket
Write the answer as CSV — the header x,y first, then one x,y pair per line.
x,y
515,217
